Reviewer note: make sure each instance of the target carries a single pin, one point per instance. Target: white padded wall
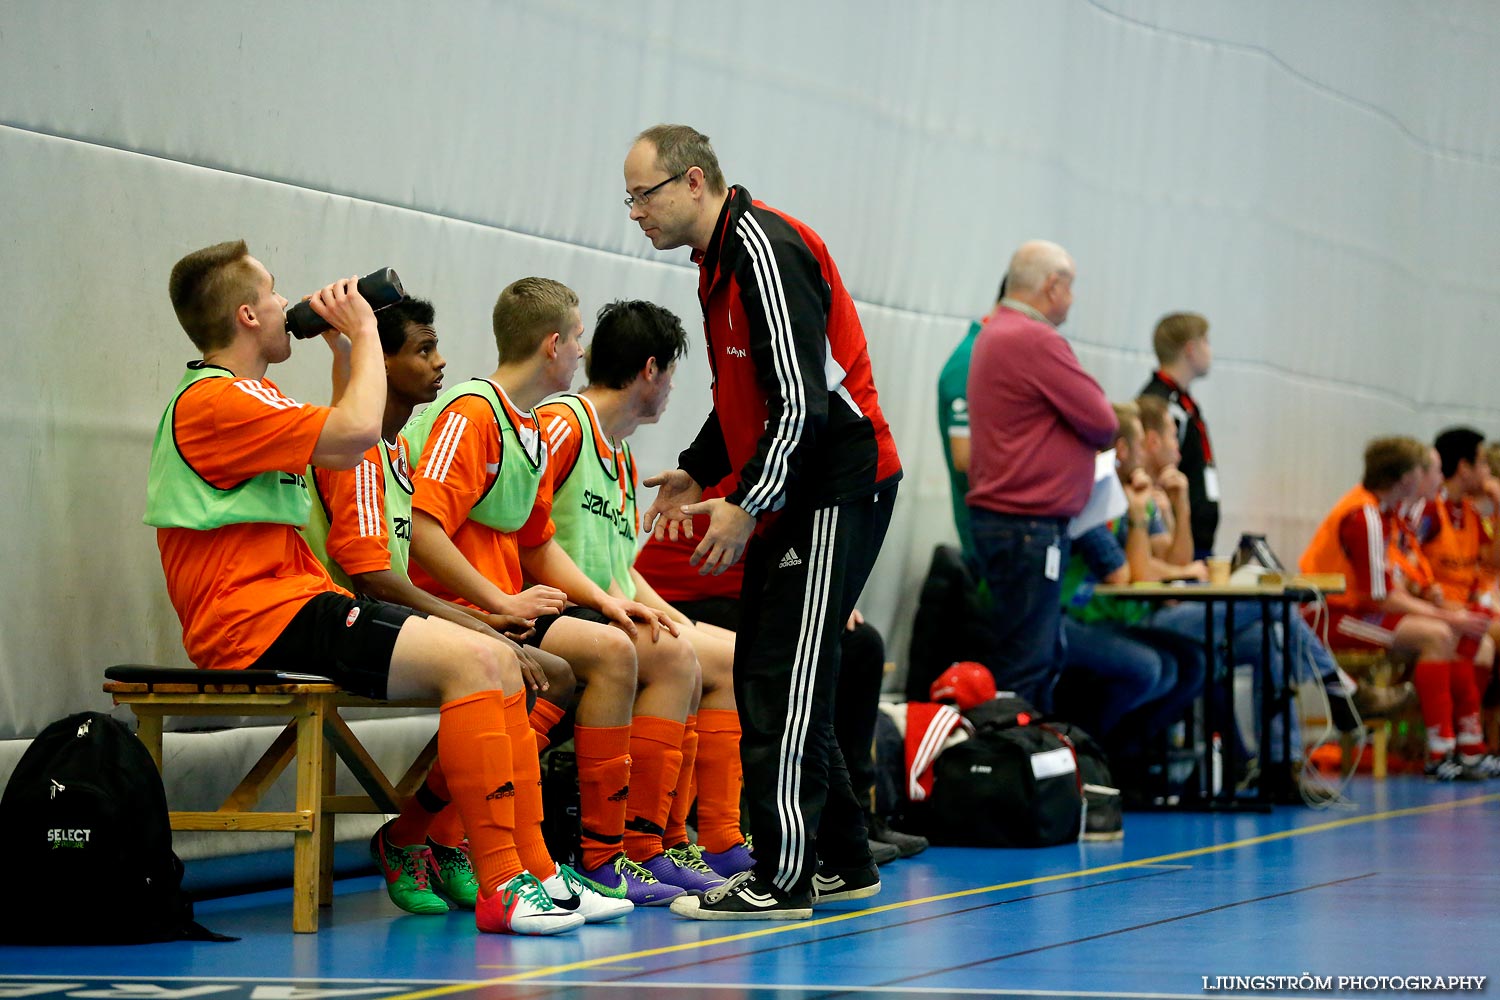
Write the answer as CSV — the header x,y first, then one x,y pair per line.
x,y
1320,180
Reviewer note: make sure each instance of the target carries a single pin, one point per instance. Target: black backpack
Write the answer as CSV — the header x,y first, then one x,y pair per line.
x,y
84,829
1018,782
1016,787
952,623
560,807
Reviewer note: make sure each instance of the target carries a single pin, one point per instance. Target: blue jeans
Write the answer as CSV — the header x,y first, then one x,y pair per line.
x,y
1106,674
1187,619
1026,612
1125,686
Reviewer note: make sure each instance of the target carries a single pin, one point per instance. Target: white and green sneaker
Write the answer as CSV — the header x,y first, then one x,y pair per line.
x,y
571,892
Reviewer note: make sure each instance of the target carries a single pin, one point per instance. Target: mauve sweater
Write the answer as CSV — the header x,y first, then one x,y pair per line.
x,y
1036,420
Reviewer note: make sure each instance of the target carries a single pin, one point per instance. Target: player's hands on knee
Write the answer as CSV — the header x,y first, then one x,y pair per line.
x,y
624,614
513,627
534,602
531,671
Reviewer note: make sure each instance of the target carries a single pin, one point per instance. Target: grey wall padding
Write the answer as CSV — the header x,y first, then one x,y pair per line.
x,y
1320,180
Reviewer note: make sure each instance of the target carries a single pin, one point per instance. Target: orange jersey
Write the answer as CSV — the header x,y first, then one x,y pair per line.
x,y
1354,539
565,438
354,502
448,489
1454,537
235,588
1410,567
565,443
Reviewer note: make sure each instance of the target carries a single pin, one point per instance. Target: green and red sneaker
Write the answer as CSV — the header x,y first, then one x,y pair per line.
x,y
407,872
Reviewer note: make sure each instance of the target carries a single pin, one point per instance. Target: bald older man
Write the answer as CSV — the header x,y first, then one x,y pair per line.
x,y
1036,419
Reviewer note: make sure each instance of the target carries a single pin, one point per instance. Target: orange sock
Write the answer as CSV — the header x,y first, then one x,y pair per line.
x,y
477,765
719,779
420,813
529,842
655,760
682,795
447,828
544,716
603,785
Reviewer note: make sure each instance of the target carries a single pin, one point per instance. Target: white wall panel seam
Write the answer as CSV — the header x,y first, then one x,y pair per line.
x,y
1422,142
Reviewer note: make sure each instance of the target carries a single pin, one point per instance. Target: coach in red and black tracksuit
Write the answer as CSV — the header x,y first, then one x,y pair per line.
x,y
797,420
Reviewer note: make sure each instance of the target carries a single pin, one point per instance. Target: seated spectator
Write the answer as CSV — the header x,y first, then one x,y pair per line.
x,y
1376,612
1122,681
1348,702
714,601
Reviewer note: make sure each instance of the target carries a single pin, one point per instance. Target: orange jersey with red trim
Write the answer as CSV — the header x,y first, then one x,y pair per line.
x,y
472,454
235,588
1454,539
1354,540
1410,567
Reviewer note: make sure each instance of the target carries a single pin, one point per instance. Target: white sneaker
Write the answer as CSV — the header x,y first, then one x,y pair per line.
x,y
573,895
1487,764
522,906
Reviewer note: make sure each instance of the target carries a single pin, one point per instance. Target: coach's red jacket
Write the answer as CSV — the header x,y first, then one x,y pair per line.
x,y
795,410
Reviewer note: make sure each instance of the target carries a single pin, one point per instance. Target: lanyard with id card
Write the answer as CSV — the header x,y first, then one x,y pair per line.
x,y
1053,569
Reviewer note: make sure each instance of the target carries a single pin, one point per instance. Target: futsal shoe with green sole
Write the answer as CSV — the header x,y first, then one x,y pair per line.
x,y
408,874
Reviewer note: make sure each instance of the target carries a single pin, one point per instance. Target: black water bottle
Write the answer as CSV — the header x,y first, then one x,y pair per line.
x,y
380,288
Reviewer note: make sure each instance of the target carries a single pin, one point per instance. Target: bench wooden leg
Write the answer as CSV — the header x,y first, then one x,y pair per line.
x,y
325,827
1380,738
307,854
149,731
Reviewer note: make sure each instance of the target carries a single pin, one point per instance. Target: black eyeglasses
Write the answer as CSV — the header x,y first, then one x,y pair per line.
x,y
632,200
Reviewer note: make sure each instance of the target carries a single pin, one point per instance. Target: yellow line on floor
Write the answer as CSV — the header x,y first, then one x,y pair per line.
x,y
783,927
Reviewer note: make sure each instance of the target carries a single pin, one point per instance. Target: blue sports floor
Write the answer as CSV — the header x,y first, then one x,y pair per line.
x,y
1406,884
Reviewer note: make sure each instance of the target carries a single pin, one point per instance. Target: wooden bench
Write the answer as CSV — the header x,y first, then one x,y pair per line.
x,y
316,737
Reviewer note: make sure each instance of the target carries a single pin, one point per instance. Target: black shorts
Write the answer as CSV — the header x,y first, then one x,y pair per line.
x,y
721,611
349,640
546,622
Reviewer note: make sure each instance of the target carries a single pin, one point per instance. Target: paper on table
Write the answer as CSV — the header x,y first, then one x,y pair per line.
x,y
1106,500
